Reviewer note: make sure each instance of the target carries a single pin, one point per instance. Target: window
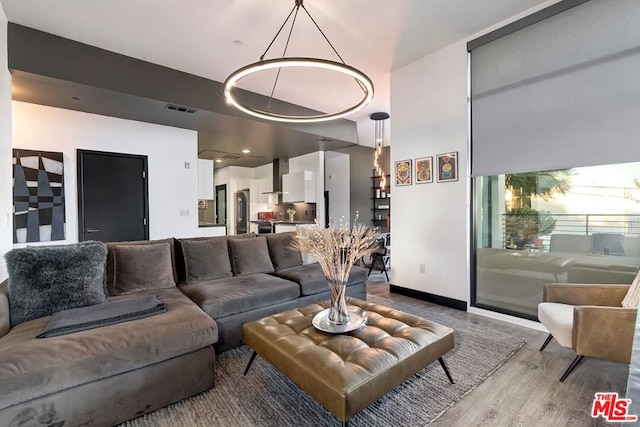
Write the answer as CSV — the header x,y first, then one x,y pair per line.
x,y
578,225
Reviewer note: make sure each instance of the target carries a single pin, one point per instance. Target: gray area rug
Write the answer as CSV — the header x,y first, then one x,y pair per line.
x,y
265,397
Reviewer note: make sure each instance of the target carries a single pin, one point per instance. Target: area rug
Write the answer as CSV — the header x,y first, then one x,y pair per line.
x,y
265,397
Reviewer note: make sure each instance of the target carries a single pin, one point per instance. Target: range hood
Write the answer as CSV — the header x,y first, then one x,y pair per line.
x,y
280,167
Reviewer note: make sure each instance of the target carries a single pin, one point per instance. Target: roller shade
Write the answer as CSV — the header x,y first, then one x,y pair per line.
x,y
560,93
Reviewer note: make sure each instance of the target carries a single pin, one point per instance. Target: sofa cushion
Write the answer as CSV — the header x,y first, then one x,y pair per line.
x,y
249,256
47,279
283,253
206,259
312,280
140,268
111,261
608,244
32,367
225,297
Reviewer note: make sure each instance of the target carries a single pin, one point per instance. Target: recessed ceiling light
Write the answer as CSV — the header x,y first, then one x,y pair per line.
x,y
246,151
238,42
218,160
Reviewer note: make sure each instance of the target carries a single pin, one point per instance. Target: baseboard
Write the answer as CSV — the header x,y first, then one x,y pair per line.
x,y
509,319
426,296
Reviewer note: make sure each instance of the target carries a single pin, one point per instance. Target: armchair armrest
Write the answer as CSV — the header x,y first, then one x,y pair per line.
x,y
5,323
604,332
585,294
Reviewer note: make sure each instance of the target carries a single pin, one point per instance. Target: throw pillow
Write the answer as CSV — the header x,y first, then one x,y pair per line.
x,y
142,267
250,256
283,253
632,298
111,263
46,279
206,259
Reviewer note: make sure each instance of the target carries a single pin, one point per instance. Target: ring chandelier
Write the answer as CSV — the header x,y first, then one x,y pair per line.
x,y
361,79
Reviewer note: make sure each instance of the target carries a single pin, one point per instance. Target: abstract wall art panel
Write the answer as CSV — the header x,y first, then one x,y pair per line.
x,y
38,196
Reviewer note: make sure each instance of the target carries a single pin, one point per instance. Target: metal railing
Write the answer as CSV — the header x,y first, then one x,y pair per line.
x,y
578,224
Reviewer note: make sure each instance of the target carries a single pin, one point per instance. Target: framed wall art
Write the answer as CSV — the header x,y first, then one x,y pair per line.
x,y
424,170
38,196
447,164
403,172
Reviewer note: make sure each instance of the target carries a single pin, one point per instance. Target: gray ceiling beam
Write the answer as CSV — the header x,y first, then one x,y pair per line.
x,y
38,53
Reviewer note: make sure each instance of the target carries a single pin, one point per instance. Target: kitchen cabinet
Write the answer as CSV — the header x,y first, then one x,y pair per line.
x,y
299,187
205,179
257,187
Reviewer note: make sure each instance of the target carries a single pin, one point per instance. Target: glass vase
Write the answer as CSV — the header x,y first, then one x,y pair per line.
x,y
338,312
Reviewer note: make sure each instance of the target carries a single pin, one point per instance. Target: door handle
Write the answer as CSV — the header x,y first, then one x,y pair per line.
x,y
92,230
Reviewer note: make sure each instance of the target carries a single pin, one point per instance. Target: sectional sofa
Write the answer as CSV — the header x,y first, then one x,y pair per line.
x,y
103,376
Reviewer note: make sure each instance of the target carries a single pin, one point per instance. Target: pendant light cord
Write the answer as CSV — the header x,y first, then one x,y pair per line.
x,y
286,46
296,7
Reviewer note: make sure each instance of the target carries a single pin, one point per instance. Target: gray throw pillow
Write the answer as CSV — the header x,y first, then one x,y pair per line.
x,y
206,259
46,279
283,253
250,256
142,267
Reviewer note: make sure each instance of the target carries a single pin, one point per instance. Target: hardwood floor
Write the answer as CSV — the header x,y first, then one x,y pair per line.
x,y
525,391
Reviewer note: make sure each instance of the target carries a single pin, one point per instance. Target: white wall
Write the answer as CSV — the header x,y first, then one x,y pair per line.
x,y
430,222
6,174
172,187
336,182
312,162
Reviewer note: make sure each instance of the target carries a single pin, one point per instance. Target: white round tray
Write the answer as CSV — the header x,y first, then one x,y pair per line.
x,y
358,318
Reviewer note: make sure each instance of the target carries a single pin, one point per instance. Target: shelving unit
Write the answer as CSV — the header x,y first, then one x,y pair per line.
x,y
379,215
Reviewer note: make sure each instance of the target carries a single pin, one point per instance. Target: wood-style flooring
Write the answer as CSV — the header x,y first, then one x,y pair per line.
x,y
525,391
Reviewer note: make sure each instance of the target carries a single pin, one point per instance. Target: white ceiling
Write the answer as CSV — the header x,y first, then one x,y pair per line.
x,y
212,38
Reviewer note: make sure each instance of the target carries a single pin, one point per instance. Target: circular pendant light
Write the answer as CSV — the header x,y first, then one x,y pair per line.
x,y
361,79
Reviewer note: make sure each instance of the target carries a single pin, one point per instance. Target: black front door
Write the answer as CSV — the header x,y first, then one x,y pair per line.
x,y
113,202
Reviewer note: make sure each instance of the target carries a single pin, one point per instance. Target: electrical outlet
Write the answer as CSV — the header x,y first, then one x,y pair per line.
x,y
184,212
187,165
422,269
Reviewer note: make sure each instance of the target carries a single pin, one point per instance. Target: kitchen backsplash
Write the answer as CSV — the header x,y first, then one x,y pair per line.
x,y
304,211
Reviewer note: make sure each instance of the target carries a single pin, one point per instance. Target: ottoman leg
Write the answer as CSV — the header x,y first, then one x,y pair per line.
x,y
446,371
253,357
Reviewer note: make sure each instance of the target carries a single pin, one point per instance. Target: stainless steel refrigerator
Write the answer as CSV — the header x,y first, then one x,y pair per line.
x,y
242,212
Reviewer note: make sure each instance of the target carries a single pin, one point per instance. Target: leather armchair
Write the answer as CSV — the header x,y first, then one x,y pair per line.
x,y
590,319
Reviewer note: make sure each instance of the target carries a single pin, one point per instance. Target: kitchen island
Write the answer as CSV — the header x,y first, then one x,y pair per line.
x,y
286,226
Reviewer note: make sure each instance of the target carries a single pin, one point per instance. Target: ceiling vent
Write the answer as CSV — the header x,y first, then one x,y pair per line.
x,y
180,108
230,157
323,139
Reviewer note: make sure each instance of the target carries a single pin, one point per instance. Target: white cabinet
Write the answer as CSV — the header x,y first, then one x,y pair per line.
x,y
257,187
205,179
299,187
285,228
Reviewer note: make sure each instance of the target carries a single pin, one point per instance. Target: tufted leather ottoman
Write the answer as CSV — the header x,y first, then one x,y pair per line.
x,y
348,372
